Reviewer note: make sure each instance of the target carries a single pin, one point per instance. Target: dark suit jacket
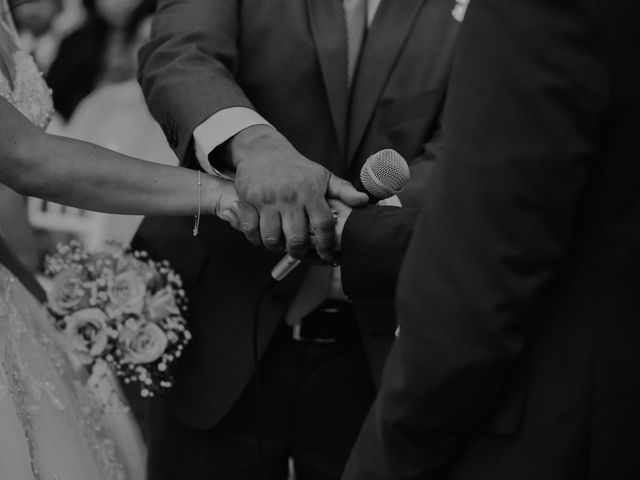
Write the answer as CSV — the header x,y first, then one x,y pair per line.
x,y
285,59
519,299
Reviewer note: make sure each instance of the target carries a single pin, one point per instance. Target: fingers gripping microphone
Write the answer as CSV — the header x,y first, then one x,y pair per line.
x,y
383,175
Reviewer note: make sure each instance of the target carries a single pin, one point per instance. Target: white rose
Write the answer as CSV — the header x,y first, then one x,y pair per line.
x,y
66,293
86,334
144,345
162,305
128,292
130,263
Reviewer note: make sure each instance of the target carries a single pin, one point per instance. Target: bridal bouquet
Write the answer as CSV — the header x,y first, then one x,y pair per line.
x,y
118,309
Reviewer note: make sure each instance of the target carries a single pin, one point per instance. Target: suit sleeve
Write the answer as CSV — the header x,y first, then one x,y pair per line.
x,y
523,116
187,69
374,242
375,239
421,170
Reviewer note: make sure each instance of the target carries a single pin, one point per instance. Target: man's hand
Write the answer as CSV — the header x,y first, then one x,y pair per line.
x,y
342,212
289,192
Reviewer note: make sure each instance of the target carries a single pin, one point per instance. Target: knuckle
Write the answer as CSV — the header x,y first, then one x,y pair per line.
x,y
324,223
257,196
340,182
297,241
289,196
249,227
271,241
266,197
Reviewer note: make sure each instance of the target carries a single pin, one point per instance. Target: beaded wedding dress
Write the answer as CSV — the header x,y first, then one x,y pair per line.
x,y
51,425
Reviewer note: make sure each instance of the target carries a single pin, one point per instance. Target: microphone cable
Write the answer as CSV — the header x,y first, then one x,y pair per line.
x,y
256,374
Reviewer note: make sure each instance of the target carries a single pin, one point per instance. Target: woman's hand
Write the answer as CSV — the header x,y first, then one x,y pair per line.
x,y
241,215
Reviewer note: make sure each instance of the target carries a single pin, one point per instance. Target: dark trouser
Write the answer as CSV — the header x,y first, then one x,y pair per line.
x,y
314,397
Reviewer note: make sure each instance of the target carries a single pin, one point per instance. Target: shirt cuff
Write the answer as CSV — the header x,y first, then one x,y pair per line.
x,y
219,128
390,202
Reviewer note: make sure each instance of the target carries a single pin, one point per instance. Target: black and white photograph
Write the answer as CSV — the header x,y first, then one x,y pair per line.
x,y
319,240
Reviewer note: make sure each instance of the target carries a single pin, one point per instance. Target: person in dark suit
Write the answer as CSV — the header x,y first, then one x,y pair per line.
x,y
518,296
289,96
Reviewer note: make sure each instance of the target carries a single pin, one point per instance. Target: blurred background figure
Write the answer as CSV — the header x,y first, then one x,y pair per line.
x,y
100,52
44,23
116,116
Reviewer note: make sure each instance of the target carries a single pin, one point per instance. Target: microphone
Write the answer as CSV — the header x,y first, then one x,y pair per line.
x,y
383,175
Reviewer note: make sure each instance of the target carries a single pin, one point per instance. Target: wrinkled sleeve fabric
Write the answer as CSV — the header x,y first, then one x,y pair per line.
x,y
374,241
187,69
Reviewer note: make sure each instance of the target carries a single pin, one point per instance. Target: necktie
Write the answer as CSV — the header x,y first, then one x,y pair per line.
x,y
321,282
355,17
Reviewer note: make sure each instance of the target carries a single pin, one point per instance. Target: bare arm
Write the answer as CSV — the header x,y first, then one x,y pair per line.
x,y
83,175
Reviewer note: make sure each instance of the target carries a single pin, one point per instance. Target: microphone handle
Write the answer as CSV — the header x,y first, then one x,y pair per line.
x,y
284,267
288,263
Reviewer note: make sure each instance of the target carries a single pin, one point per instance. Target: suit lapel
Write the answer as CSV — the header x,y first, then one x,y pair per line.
x,y
383,44
327,28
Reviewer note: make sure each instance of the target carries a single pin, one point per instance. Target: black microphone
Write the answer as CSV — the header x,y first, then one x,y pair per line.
x,y
383,175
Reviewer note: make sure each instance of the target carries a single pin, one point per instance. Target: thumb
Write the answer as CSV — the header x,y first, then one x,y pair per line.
x,y
342,190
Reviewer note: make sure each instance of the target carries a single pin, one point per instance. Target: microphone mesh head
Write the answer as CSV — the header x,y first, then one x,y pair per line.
x,y
384,174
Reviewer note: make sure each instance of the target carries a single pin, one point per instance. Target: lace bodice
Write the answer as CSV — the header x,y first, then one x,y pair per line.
x,y
28,92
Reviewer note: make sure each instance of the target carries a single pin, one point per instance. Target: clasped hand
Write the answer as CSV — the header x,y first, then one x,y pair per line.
x,y
282,197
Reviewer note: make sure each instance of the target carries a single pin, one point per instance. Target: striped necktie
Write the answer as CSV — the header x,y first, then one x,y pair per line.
x,y
355,18
321,282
